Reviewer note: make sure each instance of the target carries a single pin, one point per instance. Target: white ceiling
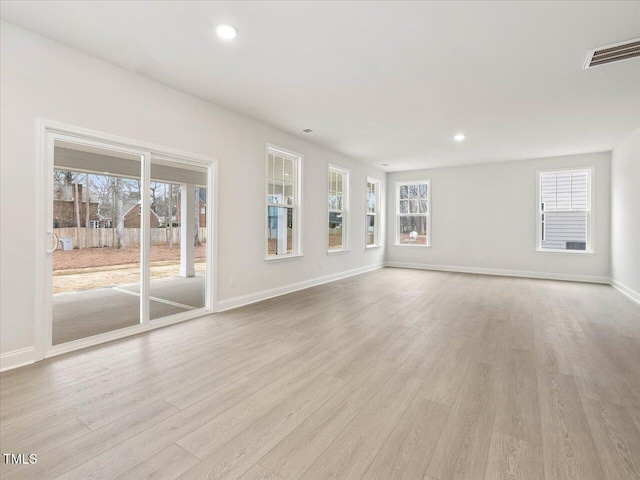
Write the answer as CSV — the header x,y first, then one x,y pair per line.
x,y
383,82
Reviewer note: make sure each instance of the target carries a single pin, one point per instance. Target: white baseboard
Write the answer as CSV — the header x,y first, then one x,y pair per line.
x,y
632,294
242,300
506,273
17,358
26,356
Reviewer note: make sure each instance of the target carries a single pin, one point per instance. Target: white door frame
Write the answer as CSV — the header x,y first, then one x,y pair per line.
x,y
48,132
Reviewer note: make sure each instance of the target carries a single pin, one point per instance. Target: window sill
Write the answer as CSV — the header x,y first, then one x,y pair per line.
x,y
411,245
281,258
566,252
334,252
373,246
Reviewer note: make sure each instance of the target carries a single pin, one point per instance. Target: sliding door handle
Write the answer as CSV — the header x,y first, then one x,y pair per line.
x,y
52,237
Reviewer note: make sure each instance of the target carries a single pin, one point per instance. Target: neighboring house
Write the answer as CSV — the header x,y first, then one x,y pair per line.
x,y
101,223
564,231
133,215
202,208
64,208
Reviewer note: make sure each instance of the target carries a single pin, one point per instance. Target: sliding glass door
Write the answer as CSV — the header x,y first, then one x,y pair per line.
x,y
130,237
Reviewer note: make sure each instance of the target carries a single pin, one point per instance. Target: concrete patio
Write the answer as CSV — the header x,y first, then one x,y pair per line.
x,y
84,314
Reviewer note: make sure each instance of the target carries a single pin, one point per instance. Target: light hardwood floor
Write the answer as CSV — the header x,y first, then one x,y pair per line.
x,y
395,374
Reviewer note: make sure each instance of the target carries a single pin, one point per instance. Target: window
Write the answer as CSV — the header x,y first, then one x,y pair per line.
x,y
413,213
543,226
283,203
338,206
373,205
564,216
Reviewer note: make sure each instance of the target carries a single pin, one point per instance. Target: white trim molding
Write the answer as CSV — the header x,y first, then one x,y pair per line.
x,y
296,207
589,211
344,211
17,358
250,298
632,294
399,215
502,272
376,214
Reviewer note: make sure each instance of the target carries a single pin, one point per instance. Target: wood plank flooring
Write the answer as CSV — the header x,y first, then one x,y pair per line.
x,y
395,374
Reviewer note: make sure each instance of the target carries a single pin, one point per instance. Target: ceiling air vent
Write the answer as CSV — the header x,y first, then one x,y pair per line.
x,y
613,53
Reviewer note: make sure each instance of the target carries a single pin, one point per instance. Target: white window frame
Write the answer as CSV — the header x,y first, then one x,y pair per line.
x,y
297,204
589,249
399,183
346,173
543,225
376,213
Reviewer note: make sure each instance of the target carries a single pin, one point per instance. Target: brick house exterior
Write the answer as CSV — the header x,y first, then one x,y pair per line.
x,y
203,213
133,216
64,211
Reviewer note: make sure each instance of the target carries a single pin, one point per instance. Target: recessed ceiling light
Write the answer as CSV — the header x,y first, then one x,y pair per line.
x,y
226,32
308,131
459,137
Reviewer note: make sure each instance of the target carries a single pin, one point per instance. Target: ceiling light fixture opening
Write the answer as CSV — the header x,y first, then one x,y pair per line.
x,y
226,32
459,137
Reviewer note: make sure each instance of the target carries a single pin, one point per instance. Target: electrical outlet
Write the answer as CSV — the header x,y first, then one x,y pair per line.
x,y
232,281
479,258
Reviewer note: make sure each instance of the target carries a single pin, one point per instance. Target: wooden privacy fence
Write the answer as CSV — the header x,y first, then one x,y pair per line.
x,y
103,237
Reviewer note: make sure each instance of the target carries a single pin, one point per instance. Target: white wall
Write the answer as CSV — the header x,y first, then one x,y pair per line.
x,y
625,215
41,78
490,211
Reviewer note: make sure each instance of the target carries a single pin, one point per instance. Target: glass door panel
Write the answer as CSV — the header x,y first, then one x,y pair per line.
x,y
96,222
179,236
